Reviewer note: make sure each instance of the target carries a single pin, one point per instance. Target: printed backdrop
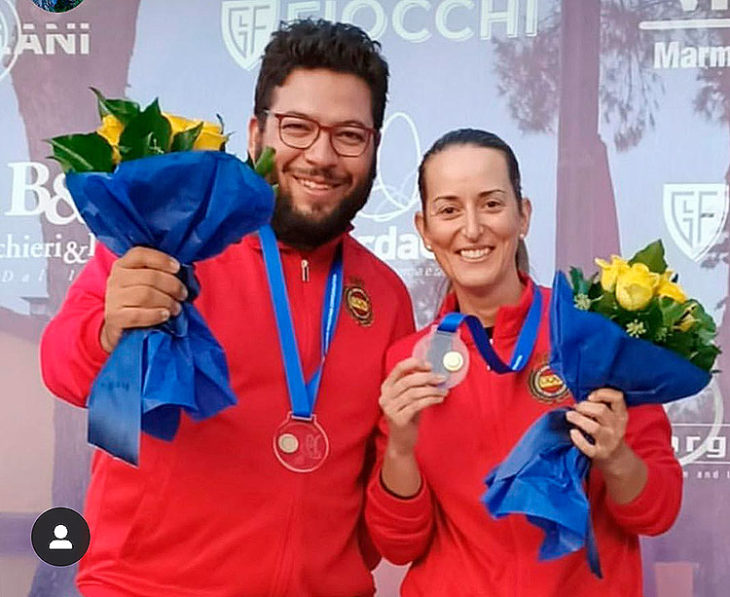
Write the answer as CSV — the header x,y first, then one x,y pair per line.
x,y
617,109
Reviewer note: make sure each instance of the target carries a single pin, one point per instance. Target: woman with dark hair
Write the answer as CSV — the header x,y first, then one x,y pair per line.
x,y
436,445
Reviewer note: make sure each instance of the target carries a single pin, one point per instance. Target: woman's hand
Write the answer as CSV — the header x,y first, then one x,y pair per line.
x,y
604,417
409,389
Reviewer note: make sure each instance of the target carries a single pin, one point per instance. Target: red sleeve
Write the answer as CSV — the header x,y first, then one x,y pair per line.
x,y
70,350
656,508
404,324
401,528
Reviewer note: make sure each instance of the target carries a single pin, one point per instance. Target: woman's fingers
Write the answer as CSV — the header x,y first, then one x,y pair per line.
x,y
583,444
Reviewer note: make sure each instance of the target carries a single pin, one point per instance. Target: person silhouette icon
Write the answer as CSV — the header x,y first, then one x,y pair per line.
x,y
60,542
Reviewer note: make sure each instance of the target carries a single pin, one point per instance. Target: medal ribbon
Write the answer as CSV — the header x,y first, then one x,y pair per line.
x,y
302,396
525,342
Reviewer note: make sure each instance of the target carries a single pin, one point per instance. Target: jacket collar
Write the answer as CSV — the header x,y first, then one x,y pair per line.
x,y
510,318
324,253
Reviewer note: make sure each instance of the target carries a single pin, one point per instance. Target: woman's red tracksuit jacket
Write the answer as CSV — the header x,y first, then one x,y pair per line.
x,y
457,549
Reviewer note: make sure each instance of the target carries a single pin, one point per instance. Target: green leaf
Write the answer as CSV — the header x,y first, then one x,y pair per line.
x,y
147,134
652,256
580,284
595,290
652,318
124,110
265,164
606,305
671,311
705,357
82,153
184,140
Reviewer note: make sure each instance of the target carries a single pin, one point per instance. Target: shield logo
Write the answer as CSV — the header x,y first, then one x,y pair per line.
x,y
695,215
247,26
9,37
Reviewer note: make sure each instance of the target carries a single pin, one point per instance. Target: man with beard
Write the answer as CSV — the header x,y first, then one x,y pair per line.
x,y
262,499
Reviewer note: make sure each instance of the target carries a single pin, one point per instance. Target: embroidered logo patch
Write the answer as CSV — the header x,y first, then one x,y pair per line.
x,y
359,304
545,385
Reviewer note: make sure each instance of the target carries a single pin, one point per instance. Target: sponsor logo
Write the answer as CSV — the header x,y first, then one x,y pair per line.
x,y
18,38
392,246
30,195
699,435
359,304
388,201
247,24
675,55
54,38
15,246
545,385
9,32
695,215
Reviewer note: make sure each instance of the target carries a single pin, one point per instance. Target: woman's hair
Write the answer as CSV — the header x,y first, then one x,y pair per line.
x,y
478,138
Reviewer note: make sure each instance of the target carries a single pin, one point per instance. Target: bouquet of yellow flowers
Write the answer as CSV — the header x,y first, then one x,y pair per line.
x,y
643,297
139,180
629,327
129,133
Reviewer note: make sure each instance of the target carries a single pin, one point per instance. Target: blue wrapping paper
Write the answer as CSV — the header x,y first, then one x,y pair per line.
x,y
190,205
543,475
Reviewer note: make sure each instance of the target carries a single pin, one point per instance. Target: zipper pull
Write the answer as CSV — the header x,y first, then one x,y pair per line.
x,y
305,270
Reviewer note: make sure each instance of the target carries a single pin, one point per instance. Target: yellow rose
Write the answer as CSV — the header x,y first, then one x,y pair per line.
x,y
111,129
178,123
670,289
635,287
211,135
611,271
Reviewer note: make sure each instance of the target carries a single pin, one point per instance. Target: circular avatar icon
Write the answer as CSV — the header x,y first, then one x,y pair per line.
x,y
60,536
57,5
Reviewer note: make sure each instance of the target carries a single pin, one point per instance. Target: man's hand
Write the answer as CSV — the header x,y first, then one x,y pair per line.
x,y
141,291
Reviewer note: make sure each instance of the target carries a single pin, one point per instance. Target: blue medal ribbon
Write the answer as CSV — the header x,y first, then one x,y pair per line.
x,y
301,395
525,342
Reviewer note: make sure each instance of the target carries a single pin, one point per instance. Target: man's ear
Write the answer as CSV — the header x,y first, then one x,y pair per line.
x,y
254,137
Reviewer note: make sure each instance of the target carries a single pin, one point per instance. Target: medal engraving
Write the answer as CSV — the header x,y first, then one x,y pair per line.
x,y
300,444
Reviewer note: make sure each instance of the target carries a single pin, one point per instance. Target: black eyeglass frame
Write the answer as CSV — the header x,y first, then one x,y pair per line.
x,y
371,132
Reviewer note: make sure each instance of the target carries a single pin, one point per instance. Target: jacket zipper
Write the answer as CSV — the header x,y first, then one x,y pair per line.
x,y
305,270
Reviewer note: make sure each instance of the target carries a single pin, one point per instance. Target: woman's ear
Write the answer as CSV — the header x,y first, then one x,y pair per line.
x,y
420,221
525,217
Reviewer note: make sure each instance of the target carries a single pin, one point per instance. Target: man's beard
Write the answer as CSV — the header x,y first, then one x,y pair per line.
x,y
303,231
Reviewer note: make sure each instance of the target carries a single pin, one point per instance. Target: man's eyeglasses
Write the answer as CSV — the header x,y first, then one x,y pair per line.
x,y
300,132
